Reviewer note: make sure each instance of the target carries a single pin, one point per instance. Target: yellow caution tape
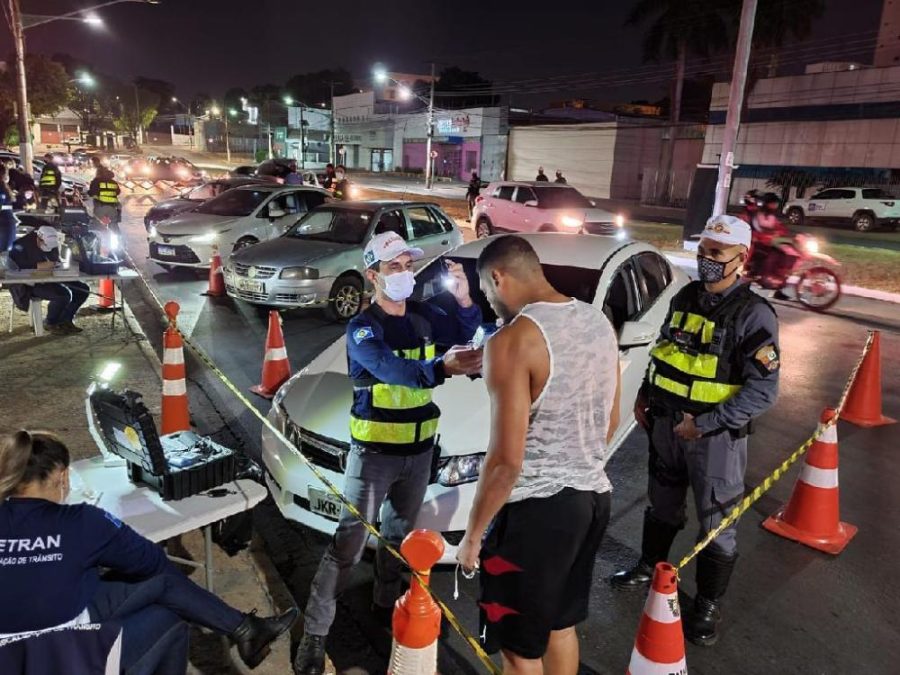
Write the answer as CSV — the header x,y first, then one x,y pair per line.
x,y
772,478
451,617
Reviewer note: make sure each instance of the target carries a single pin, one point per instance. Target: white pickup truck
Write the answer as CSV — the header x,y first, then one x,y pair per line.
x,y
864,208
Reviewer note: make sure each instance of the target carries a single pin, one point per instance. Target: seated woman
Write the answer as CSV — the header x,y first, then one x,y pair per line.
x,y
50,559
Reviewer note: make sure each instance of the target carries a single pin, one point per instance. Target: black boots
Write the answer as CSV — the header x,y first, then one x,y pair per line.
x,y
310,658
713,573
255,634
655,544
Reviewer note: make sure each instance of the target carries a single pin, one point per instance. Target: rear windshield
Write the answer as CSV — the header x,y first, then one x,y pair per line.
x,y
234,203
336,225
561,198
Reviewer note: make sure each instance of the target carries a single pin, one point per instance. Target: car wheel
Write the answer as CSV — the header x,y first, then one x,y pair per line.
x,y
345,299
795,216
243,243
863,222
483,228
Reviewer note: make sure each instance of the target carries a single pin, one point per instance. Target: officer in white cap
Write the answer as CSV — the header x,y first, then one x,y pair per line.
x,y
393,425
712,372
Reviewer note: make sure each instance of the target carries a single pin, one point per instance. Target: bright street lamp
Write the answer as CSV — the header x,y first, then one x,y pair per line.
x,y
85,79
288,100
380,75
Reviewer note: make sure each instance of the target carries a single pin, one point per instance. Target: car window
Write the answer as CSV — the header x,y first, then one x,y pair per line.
x,y
654,275
233,203
827,194
621,303
504,192
876,193
555,197
337,225
289,203
445,222
524,194
392,221
204,192
846,194
312,199
422,223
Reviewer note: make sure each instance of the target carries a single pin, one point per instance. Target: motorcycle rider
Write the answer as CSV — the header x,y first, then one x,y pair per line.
x,y
768,262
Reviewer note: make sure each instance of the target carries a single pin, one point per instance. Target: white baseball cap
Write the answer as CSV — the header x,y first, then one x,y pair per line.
x,y
386,246
49,234
727,230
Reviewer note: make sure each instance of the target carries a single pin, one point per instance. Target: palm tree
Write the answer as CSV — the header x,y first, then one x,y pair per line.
x,y
778,21
674,29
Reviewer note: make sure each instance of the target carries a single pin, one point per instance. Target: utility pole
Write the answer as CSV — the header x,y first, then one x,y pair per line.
x,y
227,142
26,150
332,148
302,140
429,168
269,123
735,103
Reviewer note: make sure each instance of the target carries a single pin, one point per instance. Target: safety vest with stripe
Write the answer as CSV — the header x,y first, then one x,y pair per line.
x,y
108,192
50,178
697,364
395,419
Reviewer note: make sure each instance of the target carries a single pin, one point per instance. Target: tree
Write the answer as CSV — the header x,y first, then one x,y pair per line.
x,y
48,90
116,102
778,21
458,88
161,91
315,88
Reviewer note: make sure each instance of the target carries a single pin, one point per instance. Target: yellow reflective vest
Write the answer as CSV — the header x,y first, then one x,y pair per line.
x,y
108,192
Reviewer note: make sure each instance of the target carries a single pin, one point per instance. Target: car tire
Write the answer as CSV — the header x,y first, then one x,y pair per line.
x,y
243,242
345,299
483,228
864,222
795,216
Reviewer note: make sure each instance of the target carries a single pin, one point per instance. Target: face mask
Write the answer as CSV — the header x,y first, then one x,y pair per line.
x,y
398,287
45,247
339,176
711,271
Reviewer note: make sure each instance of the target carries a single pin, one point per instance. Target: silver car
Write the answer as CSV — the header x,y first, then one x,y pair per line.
x,y
318,262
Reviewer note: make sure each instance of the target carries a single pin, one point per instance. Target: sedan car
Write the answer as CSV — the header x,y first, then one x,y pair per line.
x,y
173,169
192,198
862,208
236,218
520,207
631,282
319,261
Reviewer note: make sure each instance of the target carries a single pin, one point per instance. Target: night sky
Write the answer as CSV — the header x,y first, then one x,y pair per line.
x,y
211,45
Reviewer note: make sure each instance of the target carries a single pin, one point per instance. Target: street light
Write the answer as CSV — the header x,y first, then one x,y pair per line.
x,y
13,13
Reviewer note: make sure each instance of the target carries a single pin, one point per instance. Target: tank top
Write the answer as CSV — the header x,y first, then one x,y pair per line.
x,y
566,441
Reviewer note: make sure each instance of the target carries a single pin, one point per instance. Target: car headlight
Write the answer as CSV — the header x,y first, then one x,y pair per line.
x,y
459,470
299,273
571,221
151,232
207,238
278,411
620,220
811,245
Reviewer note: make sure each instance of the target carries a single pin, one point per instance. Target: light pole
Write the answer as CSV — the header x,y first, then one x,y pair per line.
x,y
17,27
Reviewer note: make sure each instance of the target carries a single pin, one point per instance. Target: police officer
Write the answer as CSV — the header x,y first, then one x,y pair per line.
x,y
49,183
341,183
105,191
714,369
393,424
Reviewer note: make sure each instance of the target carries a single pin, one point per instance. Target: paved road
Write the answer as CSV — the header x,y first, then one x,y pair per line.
x,y
791,609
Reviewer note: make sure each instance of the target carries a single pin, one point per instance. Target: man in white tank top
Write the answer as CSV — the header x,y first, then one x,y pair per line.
x,y
543,498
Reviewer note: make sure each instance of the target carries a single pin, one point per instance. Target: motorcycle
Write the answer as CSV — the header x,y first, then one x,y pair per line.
x,y
807,273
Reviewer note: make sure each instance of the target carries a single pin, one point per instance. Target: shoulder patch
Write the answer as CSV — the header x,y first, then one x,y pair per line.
x,y
767,358
363,333
111,518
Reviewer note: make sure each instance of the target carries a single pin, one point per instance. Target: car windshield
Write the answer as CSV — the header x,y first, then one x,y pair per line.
x,y
337,225
576,282
552,197
234,203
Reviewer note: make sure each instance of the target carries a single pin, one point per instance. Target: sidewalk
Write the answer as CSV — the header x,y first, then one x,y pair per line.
x,y
44,382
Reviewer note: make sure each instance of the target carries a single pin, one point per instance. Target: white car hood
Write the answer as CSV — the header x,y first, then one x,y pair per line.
x,y
195,223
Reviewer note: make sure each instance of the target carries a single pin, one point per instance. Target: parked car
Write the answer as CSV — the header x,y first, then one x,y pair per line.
x,y
863,208
192,198
508,206
630,281
318,262
236,218
244,170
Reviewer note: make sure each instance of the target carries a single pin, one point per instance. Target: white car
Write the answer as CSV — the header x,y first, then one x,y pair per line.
x,y
631,281
864,208
237,218
521,207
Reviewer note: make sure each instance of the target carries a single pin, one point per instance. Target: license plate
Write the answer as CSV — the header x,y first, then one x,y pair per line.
x,y
251,285
324,504
166,250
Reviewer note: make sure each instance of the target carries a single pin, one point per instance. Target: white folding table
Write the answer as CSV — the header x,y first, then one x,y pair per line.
x,y
109,488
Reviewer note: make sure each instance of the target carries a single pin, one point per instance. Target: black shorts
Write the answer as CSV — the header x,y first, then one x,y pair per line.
x,y
537,564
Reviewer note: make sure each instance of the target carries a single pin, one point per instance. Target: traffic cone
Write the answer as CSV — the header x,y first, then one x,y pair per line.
x,y
175,413
216,287
659,645
812,516
276,367
863,406
416,622
106,293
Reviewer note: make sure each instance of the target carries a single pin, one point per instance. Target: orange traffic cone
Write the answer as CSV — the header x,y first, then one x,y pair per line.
x,y
863,407
812,516
106,293
276,367
659,645
417,618
216,288
175,413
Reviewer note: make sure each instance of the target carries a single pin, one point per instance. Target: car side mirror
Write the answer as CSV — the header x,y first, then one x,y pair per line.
x,y
532,203
277,213
636,334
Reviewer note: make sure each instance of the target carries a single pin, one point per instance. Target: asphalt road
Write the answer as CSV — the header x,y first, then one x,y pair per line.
x,y
790,609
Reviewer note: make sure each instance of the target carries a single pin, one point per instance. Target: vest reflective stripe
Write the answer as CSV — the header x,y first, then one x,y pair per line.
x,y
392,432
106,193
696,365
48,179
395,397
702,392
693,324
